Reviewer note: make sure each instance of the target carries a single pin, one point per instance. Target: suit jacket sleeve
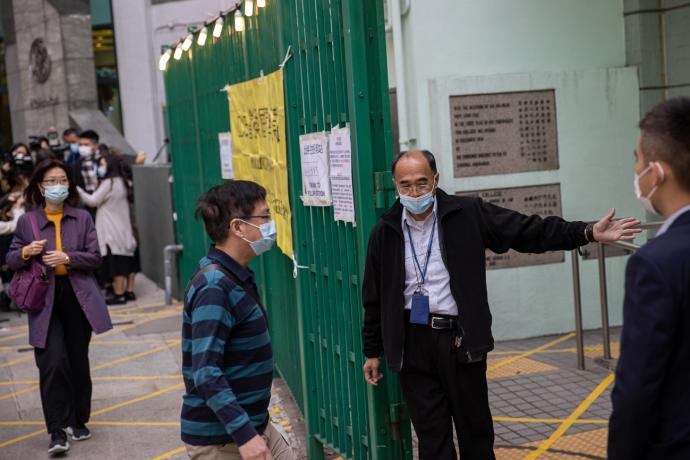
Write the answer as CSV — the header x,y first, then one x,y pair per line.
x,y
649,327
504,229
372,341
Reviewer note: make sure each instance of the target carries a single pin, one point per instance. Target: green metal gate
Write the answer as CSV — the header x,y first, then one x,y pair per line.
x,y
337,75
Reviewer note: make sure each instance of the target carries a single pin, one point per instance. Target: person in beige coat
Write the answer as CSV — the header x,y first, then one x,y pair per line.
x,y
114,227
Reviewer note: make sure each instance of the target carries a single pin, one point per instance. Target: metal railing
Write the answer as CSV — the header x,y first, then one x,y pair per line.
x,y
603,294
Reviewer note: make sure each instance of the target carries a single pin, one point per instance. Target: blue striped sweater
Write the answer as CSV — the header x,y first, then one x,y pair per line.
x,y
227,357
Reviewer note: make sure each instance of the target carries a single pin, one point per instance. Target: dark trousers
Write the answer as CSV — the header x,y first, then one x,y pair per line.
x,y
441,392
63,365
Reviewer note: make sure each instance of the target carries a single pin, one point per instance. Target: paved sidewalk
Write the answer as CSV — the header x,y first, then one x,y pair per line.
x,y
136,371
543,406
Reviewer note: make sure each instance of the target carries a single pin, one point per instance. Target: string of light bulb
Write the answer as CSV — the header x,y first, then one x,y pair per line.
x,y
239,11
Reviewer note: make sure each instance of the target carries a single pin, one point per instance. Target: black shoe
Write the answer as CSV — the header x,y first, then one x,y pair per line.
x,y
130,296
79,433
116,300
58,443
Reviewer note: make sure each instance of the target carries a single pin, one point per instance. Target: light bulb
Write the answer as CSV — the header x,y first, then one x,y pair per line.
x,y
260,3
178,52
165,57
218,27
239,21
187,43
248,7
203,35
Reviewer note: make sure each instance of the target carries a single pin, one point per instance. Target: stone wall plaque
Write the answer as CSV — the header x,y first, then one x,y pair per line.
x,y
504,133
543,200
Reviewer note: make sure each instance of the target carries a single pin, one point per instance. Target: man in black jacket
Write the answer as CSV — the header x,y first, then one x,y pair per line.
x,y
425,299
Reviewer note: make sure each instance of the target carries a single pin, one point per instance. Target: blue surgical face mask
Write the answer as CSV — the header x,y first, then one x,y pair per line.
x,y
102,171
56,194
268,237
74,148
418,205
85,151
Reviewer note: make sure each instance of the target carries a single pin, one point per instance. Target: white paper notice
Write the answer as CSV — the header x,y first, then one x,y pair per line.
x,y
225,142
340,152
316,188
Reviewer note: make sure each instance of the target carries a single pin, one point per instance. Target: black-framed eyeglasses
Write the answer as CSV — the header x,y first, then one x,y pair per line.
x,y
51,182
262,216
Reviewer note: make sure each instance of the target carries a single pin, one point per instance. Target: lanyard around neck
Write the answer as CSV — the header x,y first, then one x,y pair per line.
x,y
428,252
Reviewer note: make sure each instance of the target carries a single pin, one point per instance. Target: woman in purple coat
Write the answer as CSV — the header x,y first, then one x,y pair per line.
x,y
74,307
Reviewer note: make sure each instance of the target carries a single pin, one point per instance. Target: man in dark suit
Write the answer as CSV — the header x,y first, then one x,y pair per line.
x,y
424,294
651,397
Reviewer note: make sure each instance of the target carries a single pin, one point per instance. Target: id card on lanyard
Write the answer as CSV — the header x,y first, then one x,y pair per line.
x,y
419,311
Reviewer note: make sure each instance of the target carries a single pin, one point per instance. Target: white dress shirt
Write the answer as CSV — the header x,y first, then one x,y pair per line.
x,y
672,219
437,282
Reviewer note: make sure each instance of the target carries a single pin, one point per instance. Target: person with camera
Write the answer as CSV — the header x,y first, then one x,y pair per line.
x,y
62,240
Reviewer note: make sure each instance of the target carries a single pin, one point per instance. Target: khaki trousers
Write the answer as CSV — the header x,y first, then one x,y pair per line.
x,y
280,449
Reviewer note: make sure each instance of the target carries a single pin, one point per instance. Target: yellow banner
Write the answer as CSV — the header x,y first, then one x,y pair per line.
x,y
257,122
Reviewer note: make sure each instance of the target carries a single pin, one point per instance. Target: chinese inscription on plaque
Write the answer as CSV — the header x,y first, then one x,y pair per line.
x,y
543,200
504,133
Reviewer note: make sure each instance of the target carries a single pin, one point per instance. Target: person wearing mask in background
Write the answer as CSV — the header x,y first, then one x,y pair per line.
x,y
425,300
70,137
87,164
74,307
43,155
651,402
113,226
17,170
227,356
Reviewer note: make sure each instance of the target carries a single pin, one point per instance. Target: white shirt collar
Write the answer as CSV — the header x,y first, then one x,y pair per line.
x,y
672,219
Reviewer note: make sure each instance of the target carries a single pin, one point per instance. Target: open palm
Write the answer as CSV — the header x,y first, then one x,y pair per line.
x,y
608,229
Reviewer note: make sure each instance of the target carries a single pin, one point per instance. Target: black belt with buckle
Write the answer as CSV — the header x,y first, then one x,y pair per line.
x,y
442,322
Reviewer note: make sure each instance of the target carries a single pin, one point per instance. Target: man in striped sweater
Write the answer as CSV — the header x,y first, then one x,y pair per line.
x,y
226,348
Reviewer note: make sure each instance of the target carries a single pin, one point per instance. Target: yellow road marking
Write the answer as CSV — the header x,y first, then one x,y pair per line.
x,y
12,337
19,393
135,356
144,307
21,438
530,352
548,420
105,379
158,315
567,423
103,342
99,412
136,400
17,361
114,362
170,453
145,424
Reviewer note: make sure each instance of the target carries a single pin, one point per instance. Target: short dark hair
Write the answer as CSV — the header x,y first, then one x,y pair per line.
x,y
227,201
44,154
33,193
666,136
70,131
20,144
427,154
90,134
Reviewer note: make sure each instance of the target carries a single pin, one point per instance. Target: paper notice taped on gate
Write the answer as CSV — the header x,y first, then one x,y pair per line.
x,y
225,143
340,155
316,187
259,149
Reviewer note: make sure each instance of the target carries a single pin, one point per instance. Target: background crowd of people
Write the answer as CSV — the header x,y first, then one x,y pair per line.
x,y
103,179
